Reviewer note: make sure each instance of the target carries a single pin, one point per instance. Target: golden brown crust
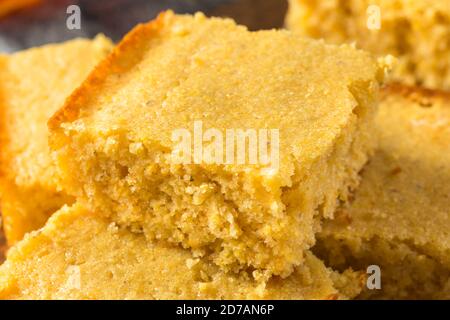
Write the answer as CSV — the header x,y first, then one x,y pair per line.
x,y
414,93
27,185
123,57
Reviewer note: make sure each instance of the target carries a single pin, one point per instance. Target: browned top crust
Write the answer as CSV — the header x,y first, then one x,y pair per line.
x,y
115,63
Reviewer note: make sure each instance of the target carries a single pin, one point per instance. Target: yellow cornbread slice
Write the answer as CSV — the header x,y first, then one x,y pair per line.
x,y
79,255
400,216
417,32
116,131
33,85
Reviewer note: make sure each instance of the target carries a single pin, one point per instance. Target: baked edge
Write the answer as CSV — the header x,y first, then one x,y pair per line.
x,y
122,58
413,92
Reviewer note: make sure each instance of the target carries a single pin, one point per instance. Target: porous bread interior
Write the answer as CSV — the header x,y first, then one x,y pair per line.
x,y
80,255
399,217
115,130
27,209
407,271
230,217
33,85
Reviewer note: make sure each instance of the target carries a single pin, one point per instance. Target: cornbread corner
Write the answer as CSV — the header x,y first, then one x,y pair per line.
x,y
400,216
80,255
416,32
116,130
33,85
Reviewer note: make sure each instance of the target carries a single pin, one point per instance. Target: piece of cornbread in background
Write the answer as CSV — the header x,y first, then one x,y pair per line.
x,y
400,217
417,32
115,133
79,255
10,6
33,85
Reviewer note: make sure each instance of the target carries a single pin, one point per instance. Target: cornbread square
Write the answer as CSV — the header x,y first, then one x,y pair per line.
x,y
33,85
400,216
417,32
80,255
116,133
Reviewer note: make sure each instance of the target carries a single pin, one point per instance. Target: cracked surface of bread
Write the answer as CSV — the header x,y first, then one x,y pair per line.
x,y
115,131
79,255
400,216
33,85
417,32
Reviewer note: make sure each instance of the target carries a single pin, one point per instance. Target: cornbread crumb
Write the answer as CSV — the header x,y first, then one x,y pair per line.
x,y
115,132
400,216
77,256
33,85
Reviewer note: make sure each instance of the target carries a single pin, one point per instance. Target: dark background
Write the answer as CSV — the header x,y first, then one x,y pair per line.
x,y
46,23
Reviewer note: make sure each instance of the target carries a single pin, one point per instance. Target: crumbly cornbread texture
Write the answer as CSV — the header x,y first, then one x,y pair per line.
x,y
116,130
79,255
33,85
417,32
400,217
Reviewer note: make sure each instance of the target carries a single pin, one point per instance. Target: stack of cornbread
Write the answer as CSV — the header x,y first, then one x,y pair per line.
x,y
133,223
399,218
165,229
